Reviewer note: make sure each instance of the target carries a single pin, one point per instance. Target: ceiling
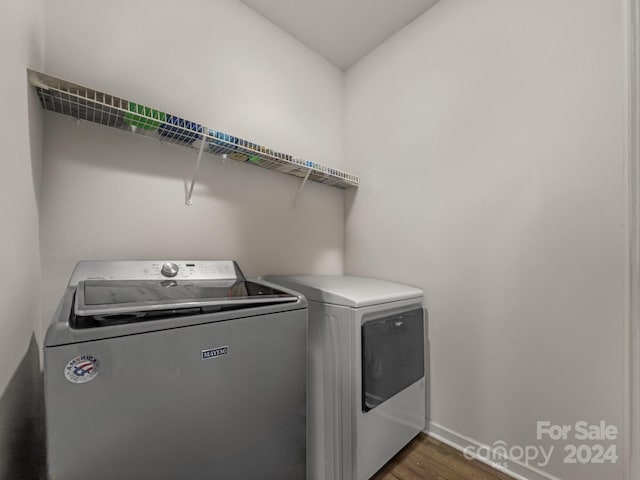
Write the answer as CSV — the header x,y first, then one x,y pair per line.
x,y
342,31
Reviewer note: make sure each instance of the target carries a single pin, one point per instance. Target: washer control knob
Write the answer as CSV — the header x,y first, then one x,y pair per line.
x,y
169,269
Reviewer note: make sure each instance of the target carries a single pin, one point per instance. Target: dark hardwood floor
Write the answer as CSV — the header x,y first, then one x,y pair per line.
x,y
427,458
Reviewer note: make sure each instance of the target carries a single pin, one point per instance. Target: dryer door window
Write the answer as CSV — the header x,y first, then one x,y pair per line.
x,y
392,356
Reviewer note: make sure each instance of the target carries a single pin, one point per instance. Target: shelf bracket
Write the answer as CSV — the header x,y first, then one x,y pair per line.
x,y
195,172
306,177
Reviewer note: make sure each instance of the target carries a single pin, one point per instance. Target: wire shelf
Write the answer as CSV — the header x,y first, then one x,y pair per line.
x,y
74,100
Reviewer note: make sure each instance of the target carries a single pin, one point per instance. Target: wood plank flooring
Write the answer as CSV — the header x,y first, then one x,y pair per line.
x,y
425,458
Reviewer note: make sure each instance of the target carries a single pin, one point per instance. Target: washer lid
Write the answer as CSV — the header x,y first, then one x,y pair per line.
x,y
104,297
100,303
346,290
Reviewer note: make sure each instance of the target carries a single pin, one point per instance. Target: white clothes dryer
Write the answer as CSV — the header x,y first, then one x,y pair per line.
x,y
366,372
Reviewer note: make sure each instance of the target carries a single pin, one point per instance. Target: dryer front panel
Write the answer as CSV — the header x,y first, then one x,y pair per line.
x,y
392,356
389,376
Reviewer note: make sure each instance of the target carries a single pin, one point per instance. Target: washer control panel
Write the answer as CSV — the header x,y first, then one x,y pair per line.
x,y
154,270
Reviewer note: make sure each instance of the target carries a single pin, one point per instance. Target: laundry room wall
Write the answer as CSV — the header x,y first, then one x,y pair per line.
x,y
22,46
489,139
109,194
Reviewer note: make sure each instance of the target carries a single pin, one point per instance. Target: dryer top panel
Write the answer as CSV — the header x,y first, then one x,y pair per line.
x,y
346,290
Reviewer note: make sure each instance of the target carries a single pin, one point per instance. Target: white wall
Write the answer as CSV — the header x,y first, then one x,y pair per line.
x,y
109,194
21,46
489,139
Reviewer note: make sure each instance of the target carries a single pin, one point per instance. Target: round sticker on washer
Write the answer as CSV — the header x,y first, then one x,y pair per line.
x,y
82,369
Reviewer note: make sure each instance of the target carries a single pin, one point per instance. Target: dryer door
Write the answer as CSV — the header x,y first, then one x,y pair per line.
x,y
392,356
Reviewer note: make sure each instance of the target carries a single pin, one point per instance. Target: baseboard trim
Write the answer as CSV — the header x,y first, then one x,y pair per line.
x,y
516,469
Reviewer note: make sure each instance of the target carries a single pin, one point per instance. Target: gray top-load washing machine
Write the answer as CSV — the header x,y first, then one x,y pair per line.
x,y
366,371
171,370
